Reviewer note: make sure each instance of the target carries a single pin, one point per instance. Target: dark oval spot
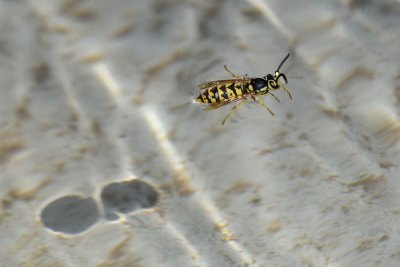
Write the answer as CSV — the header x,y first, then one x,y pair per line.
x,y
125,197
70,214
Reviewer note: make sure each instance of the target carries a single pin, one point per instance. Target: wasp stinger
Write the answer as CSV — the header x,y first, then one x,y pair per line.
x,y
222,92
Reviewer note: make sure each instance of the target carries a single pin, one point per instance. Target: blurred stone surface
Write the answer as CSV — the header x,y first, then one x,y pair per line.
x,y
93,93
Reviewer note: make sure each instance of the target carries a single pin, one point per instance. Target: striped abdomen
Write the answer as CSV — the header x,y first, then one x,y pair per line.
x,y
223,92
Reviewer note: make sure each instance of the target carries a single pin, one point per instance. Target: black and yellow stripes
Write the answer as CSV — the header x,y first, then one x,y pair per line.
x,y
224,92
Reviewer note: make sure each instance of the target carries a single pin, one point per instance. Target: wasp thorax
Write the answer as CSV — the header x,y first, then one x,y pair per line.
x,y
259,84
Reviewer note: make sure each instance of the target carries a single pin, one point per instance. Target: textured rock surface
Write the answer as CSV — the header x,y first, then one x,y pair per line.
x,y
105,160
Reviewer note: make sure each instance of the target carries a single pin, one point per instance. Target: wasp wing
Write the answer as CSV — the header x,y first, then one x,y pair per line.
x,y
206,85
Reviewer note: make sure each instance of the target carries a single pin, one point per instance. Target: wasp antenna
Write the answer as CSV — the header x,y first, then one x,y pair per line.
x,y
283,61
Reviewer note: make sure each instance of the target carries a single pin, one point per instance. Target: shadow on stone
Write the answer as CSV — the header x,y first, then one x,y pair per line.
x,y
70,214
127,196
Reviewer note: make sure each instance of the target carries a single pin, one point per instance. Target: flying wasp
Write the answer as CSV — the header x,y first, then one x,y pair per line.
x,y
222,92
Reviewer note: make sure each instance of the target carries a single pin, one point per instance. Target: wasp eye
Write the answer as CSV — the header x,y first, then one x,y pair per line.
x,y
272,84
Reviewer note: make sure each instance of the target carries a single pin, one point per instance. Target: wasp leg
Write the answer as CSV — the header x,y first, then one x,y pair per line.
x,y
233,109
286,90
234,75
277,99
259,100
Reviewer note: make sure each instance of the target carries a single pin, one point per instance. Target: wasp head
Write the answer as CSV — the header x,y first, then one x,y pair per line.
x,y
273,80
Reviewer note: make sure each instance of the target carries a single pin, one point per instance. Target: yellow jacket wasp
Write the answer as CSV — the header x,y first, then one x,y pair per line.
x,y
222,92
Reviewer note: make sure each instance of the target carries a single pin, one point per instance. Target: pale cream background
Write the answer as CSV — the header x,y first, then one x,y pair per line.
x,y
96,91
